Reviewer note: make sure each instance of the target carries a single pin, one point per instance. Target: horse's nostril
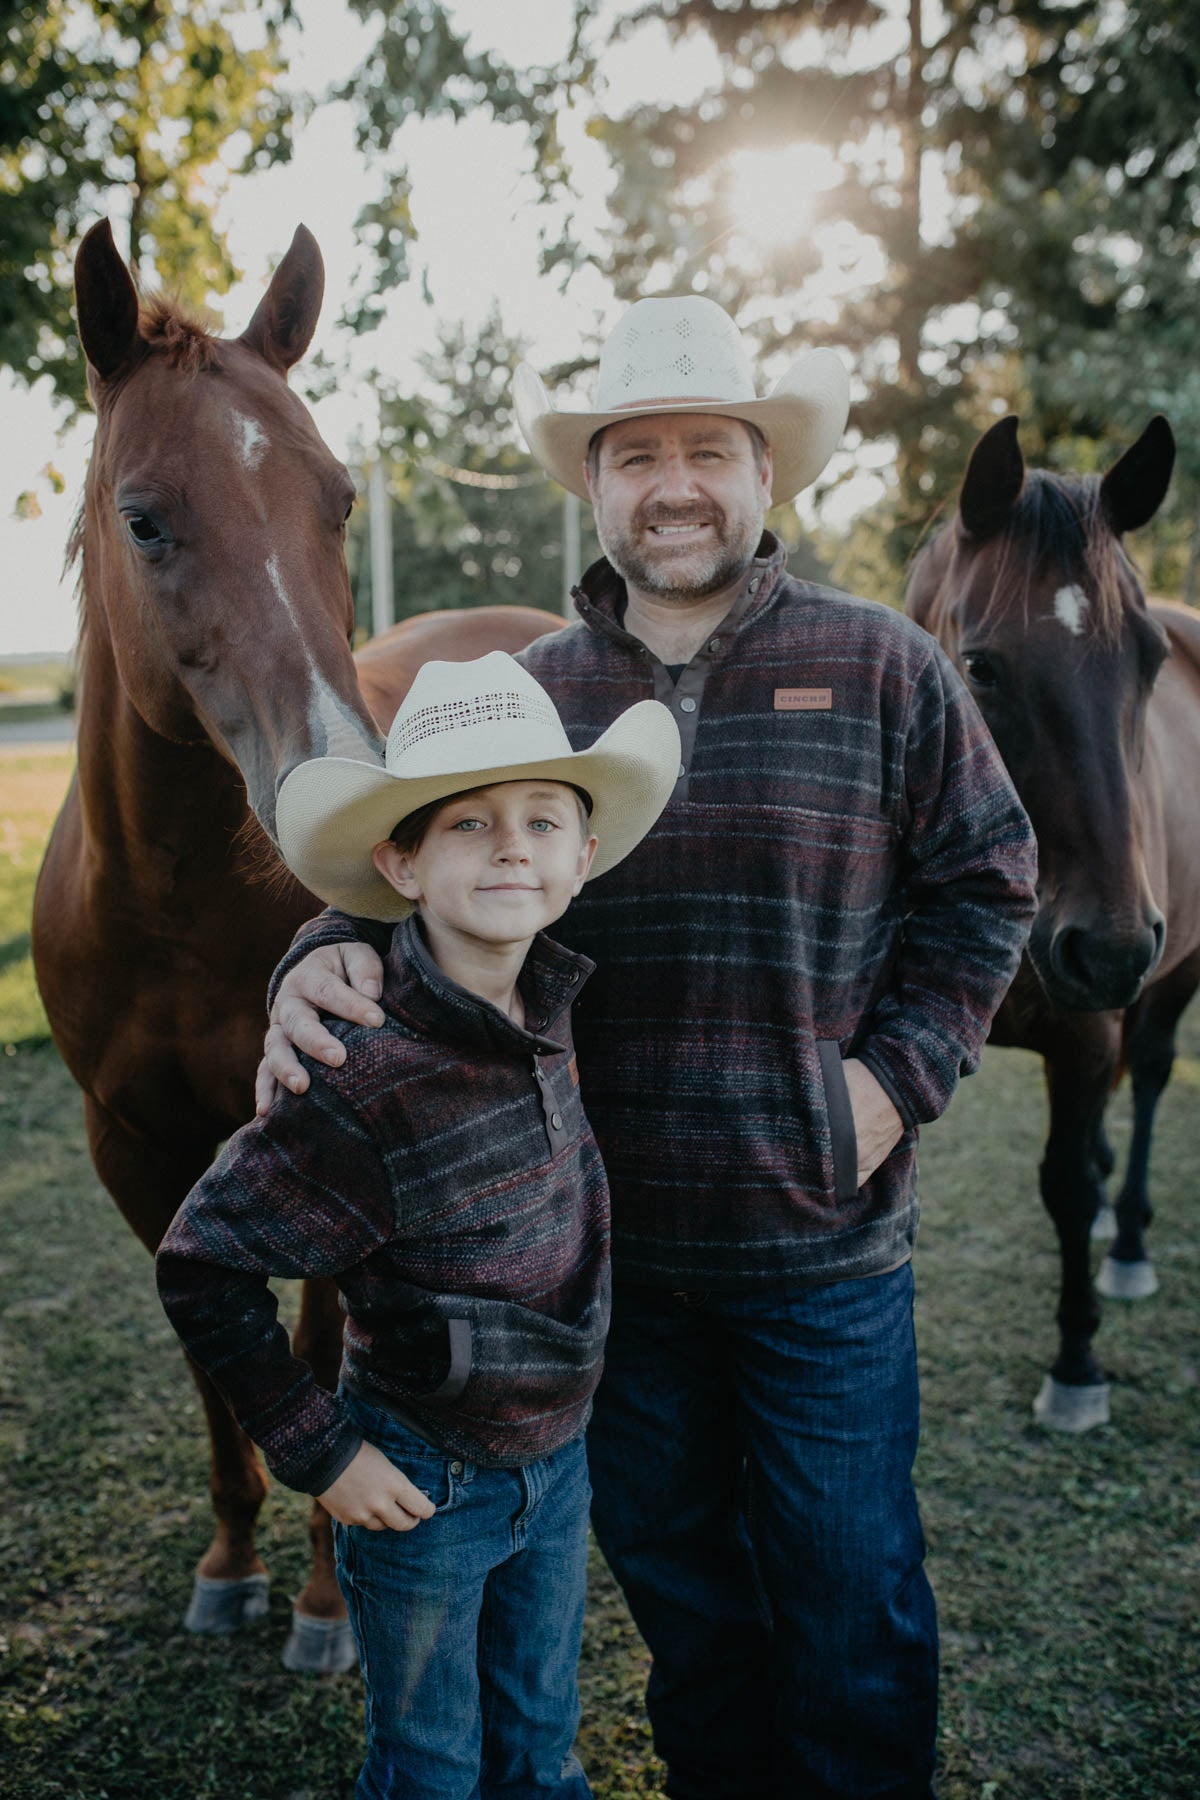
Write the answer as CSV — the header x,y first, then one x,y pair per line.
x,y
1068,957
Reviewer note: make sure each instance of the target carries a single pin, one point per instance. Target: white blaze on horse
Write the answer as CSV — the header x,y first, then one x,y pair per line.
x,y
1093,697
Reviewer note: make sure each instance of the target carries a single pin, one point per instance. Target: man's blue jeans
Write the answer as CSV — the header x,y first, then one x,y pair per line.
x,y
468,1626
751,1461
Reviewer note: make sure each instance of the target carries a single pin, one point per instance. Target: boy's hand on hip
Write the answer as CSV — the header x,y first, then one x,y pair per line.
x,y
878,1127
371,1491
343,979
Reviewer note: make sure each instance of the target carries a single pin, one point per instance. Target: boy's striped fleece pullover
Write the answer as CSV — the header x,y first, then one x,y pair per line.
x,y
445,1176
844,870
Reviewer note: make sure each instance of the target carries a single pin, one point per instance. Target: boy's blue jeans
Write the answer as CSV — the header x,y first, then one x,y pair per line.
x,y
468,1626
751,1461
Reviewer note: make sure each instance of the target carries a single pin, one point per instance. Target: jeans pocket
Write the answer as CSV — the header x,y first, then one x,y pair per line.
x,y
434,1472
842,1136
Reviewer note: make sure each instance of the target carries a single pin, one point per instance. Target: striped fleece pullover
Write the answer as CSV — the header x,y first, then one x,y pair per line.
x,y
445,1176
844,870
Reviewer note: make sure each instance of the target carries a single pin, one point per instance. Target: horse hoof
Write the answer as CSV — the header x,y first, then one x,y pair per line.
x,y
1060,1407
219,1607
319,1646
1104,1225
1126,1280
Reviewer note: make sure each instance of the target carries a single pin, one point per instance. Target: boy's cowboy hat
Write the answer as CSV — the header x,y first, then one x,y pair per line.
x,y
687,355
467,725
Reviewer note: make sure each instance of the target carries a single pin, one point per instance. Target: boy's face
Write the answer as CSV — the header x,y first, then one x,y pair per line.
x,y
495,865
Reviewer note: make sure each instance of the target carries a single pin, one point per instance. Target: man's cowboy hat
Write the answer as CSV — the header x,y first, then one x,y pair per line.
x,y
687,355
467,725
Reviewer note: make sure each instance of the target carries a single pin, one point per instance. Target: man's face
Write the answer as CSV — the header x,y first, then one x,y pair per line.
x,y
679,501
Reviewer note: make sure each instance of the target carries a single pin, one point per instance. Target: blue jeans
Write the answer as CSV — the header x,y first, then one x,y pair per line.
x,y
468,1626
751,1460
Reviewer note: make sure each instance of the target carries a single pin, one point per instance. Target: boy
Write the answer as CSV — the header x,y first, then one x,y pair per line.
x,y
445,1175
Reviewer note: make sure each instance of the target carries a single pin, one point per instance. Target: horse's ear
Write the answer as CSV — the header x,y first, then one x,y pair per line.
x,y
994,478
286,316
106,303
1136,486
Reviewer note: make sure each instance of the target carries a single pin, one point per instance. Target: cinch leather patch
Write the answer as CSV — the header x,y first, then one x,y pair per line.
x,y
803,699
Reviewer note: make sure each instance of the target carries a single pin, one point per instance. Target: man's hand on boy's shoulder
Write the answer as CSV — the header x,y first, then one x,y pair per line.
x,y
372,1491
343,979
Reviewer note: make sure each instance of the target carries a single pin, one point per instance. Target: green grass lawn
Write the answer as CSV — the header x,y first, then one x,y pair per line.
x,y
32,783
1066,1569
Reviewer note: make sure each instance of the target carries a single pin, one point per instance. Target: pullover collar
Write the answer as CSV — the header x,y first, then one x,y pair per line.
x,y
418,993
600,596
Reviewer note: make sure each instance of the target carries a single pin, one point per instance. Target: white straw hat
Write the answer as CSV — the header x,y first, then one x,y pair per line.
x,y
687,355
468,725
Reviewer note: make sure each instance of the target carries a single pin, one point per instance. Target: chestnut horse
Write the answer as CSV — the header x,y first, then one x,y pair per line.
x,y
388,663
1093,698
214,657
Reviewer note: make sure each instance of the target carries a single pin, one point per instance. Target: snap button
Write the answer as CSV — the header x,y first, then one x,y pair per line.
x,y
715,644
556,1121
682,771
688,705
456,1468
754,585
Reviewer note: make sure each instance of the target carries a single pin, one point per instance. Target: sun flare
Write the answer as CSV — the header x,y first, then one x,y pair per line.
x,y
771,192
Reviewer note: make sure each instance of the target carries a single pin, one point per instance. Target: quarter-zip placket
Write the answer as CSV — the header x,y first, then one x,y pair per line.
x,y
684,697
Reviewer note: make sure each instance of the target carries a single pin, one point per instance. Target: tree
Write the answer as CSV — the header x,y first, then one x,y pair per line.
x,y
421,65
158,99
476,522
1090,204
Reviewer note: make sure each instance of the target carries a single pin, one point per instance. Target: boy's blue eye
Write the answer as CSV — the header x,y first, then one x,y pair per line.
x,y
468,824
544,824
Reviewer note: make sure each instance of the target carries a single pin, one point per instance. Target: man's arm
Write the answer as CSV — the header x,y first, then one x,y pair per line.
x,y
970,890
334,965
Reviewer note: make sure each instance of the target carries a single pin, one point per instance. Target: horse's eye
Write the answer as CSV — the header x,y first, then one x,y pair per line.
x,y
982,670
146,531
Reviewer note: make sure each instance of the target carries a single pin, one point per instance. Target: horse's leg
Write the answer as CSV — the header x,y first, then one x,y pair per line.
x,y
1079,1070
1128,1273
148,1183
1104,1225
320,1642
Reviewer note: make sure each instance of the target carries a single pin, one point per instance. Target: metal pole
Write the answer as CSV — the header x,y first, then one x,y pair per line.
x,y
383,611
572,552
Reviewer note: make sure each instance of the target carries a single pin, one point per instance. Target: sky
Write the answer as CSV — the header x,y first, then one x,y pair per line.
x,y
477,245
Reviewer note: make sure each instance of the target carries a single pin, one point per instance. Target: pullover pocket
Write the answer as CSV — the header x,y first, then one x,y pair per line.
x,y
843,1138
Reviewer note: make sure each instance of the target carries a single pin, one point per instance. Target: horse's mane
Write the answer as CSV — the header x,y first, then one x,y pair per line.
x,y
165,323
1058,521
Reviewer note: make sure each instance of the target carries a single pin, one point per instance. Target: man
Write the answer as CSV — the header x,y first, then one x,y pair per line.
x,y
793,970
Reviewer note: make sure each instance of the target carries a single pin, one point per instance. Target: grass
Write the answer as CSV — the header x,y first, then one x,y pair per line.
x,y
34,782
22,676
1066,1569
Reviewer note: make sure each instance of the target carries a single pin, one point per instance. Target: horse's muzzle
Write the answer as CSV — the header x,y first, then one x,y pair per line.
x,y
1096,968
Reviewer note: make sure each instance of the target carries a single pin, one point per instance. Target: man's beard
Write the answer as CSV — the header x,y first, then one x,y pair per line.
x,y
692,574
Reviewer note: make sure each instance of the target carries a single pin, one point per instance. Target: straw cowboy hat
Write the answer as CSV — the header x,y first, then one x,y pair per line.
x,y
467,725
687,355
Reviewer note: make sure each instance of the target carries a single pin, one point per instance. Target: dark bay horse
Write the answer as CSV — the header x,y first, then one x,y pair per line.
x,y
1093,697
214,657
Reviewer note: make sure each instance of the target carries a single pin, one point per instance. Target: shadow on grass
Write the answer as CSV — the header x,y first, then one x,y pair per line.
x,y
15,950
